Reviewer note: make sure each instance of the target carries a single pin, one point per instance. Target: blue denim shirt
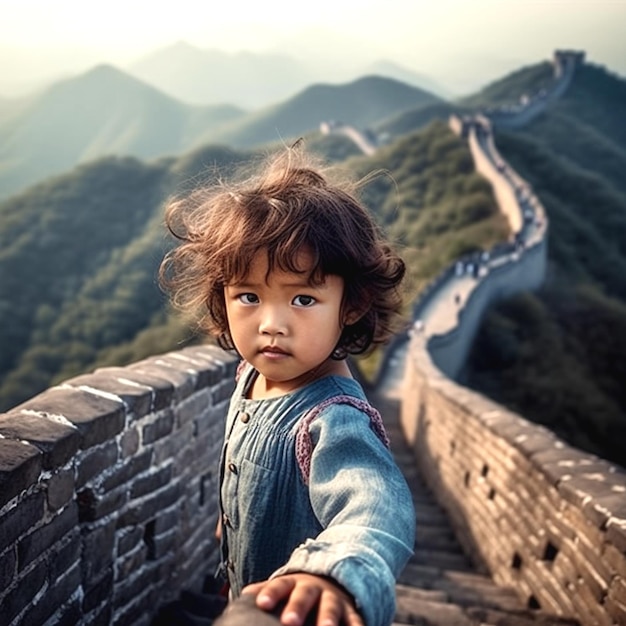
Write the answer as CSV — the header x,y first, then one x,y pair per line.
x,y
352,520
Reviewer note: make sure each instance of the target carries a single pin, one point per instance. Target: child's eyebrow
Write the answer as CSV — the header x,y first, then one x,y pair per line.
x,y
296,284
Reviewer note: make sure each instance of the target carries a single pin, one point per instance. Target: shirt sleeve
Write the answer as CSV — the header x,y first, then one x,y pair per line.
x,y
365,508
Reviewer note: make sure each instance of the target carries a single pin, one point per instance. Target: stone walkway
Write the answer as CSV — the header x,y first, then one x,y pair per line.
x,y
439,585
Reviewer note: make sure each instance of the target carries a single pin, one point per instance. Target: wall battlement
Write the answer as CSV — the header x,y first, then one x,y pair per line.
x,y
108,488
539,515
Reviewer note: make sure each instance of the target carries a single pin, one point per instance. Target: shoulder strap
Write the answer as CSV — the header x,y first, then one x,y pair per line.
x,y
304,445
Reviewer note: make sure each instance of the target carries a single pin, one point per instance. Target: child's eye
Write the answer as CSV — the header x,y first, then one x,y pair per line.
x,y
304,300
248,298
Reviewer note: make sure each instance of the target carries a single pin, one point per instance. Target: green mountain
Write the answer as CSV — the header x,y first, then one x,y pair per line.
x,y
557,356
79,252
106,112
360,103
102,112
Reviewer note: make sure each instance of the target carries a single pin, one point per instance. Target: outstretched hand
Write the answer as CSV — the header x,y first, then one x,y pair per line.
x,y
304,594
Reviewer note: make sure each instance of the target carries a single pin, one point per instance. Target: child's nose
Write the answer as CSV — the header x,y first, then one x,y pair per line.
x,y
272,322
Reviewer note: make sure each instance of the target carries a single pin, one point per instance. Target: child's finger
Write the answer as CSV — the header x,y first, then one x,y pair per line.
x,y
331,609
300,603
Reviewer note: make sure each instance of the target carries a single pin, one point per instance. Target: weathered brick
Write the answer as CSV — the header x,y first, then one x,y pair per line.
x,y
136,614
616,533
128,539
129,442
93,462
23,592
163,543
131,562
58,442
131,587
222,393
169,447
60,489
166,520
151,482
102,616
20,466
21,519
43,539
66,554
97,418
615,559
136,397
159,427
68,615
94,505
145,509
126,471
58,592
193,407
99,591
162,390
183,382
199,367
98,543
8,567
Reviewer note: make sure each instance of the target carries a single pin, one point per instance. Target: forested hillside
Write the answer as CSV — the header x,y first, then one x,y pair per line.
x,y
106,112
558,356
79,252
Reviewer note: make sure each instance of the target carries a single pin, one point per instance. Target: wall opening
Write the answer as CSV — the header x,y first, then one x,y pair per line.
x,y
516,562
148,539
533,603
549,554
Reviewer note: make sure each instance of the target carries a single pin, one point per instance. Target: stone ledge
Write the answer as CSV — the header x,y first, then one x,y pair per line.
x,y
20,466
97,418
58,442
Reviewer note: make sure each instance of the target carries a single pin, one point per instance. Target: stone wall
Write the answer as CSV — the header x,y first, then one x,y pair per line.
x,y
108,488
517,265
539,515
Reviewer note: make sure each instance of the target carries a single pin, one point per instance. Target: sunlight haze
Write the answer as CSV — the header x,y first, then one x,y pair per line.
x,y
459,43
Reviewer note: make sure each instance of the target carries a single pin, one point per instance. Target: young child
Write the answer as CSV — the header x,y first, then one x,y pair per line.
x,y
294,274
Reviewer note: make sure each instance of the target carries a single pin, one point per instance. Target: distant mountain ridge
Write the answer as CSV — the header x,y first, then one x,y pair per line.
x,y
108,112
252,80
102,112
78,252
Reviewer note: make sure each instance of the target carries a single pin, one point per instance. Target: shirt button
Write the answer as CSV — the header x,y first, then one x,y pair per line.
x,y
245,418
232,467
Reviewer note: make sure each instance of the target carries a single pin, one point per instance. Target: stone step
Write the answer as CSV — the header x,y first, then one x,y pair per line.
x,y
439,585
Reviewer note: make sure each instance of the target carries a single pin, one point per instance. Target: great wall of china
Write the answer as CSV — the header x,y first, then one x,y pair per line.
x,y
108,481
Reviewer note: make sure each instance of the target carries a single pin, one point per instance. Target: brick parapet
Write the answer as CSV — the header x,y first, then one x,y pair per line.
x,y
108,489
541,516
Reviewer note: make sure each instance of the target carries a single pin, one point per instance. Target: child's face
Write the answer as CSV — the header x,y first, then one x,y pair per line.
x,y
283,326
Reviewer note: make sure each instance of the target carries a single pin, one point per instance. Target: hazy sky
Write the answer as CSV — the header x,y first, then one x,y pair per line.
x,y
445,39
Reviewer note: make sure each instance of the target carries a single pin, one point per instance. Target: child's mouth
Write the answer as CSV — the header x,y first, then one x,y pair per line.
x,y
272,352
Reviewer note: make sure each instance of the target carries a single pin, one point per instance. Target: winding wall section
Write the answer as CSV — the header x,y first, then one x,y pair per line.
x,y
540,516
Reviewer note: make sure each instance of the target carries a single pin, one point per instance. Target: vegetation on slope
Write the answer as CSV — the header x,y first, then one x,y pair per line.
x,y
80,252
556,356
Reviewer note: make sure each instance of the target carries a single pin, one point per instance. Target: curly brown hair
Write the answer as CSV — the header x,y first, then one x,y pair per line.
x,y
290,206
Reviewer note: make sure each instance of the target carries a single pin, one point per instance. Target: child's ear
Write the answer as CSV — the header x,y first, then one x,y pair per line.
x,y
352,317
